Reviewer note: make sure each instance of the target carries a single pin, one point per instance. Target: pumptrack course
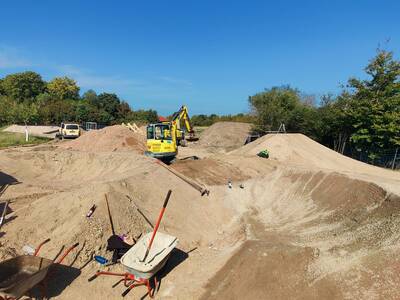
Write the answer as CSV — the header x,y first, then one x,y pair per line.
x,y
308,223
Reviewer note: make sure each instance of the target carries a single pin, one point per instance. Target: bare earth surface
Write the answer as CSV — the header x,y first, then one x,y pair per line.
x,y
308,224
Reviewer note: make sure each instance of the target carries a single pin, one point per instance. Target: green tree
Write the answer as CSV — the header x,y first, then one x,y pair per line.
x,y
83,111
62,88
333,122
2,92
6,104
90,96
280,105
143,116
109,102
123,111
374,108
23,86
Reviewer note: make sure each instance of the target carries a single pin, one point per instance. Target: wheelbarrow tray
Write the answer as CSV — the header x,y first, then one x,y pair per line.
x,y
20,274
159,253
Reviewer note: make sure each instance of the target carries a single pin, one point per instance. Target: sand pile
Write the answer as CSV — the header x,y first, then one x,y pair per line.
x,y
225,135
299,149
58,187
111,138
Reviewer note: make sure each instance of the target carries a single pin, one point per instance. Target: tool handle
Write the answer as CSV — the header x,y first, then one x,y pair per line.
x,y
126,292
92,278
66,252
157,224
167,199
109,215
40,246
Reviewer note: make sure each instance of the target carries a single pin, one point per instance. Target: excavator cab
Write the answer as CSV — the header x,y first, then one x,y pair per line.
x,y
161,142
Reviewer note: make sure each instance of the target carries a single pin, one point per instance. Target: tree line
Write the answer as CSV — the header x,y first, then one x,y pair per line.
x,y
363,121
208,120
26,98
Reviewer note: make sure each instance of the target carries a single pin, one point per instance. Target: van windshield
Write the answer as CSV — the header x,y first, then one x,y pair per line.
x,y
74,127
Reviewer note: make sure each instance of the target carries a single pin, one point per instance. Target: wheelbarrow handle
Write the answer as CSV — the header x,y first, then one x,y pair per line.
x,y
40,246
94,276
126,292
66,253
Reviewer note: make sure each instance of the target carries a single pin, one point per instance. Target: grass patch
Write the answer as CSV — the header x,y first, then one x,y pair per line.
x,y
8,139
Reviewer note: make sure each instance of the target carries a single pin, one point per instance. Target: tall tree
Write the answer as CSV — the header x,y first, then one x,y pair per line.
x,y
23,86
109,103
375,106
278,105
90,96
62,88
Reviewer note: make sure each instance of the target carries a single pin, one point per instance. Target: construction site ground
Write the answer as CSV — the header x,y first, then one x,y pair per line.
x,y
308,223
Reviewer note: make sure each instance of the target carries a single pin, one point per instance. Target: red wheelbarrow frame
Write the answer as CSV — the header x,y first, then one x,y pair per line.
x,y
9,293
130,281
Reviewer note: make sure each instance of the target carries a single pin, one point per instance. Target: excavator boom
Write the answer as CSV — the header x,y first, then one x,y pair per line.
x,y
182,120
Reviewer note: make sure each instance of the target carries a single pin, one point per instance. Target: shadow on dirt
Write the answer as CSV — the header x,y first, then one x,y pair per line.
x,y
59,277
177,257
5,181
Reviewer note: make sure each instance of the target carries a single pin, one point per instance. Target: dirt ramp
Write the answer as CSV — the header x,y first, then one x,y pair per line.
x,y
269,270
210,171
352,227
112,138
225,135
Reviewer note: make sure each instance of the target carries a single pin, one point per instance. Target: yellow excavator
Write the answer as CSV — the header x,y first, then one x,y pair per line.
x,y
163,138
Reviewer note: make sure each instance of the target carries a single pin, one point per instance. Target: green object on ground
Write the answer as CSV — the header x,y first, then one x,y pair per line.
x,y
263,154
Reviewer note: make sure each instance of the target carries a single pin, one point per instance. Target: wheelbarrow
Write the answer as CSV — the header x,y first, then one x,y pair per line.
x,y
20,274
145,258
140,271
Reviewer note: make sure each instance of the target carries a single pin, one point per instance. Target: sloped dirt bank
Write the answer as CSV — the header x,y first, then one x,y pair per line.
x,y
313,236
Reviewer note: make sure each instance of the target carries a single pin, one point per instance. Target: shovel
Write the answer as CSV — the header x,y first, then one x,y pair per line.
x,y
157,225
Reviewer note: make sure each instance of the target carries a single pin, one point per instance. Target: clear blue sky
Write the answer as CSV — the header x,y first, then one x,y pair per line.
x,y
210,55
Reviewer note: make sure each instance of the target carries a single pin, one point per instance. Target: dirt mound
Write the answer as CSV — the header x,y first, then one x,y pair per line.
x,y
225,135
210,171
112,138
296,148
313,236
273,271
56,189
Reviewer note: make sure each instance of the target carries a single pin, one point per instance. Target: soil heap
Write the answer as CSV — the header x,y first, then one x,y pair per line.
x,y
225,135
111,138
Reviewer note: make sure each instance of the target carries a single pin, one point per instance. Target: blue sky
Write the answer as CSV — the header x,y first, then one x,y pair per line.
x,y
210,55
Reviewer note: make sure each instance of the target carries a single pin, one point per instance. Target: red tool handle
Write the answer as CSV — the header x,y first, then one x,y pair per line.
x,y
66,253
40,246
157,224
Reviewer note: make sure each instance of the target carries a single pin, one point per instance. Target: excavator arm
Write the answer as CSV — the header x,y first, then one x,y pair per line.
x,y
181,119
